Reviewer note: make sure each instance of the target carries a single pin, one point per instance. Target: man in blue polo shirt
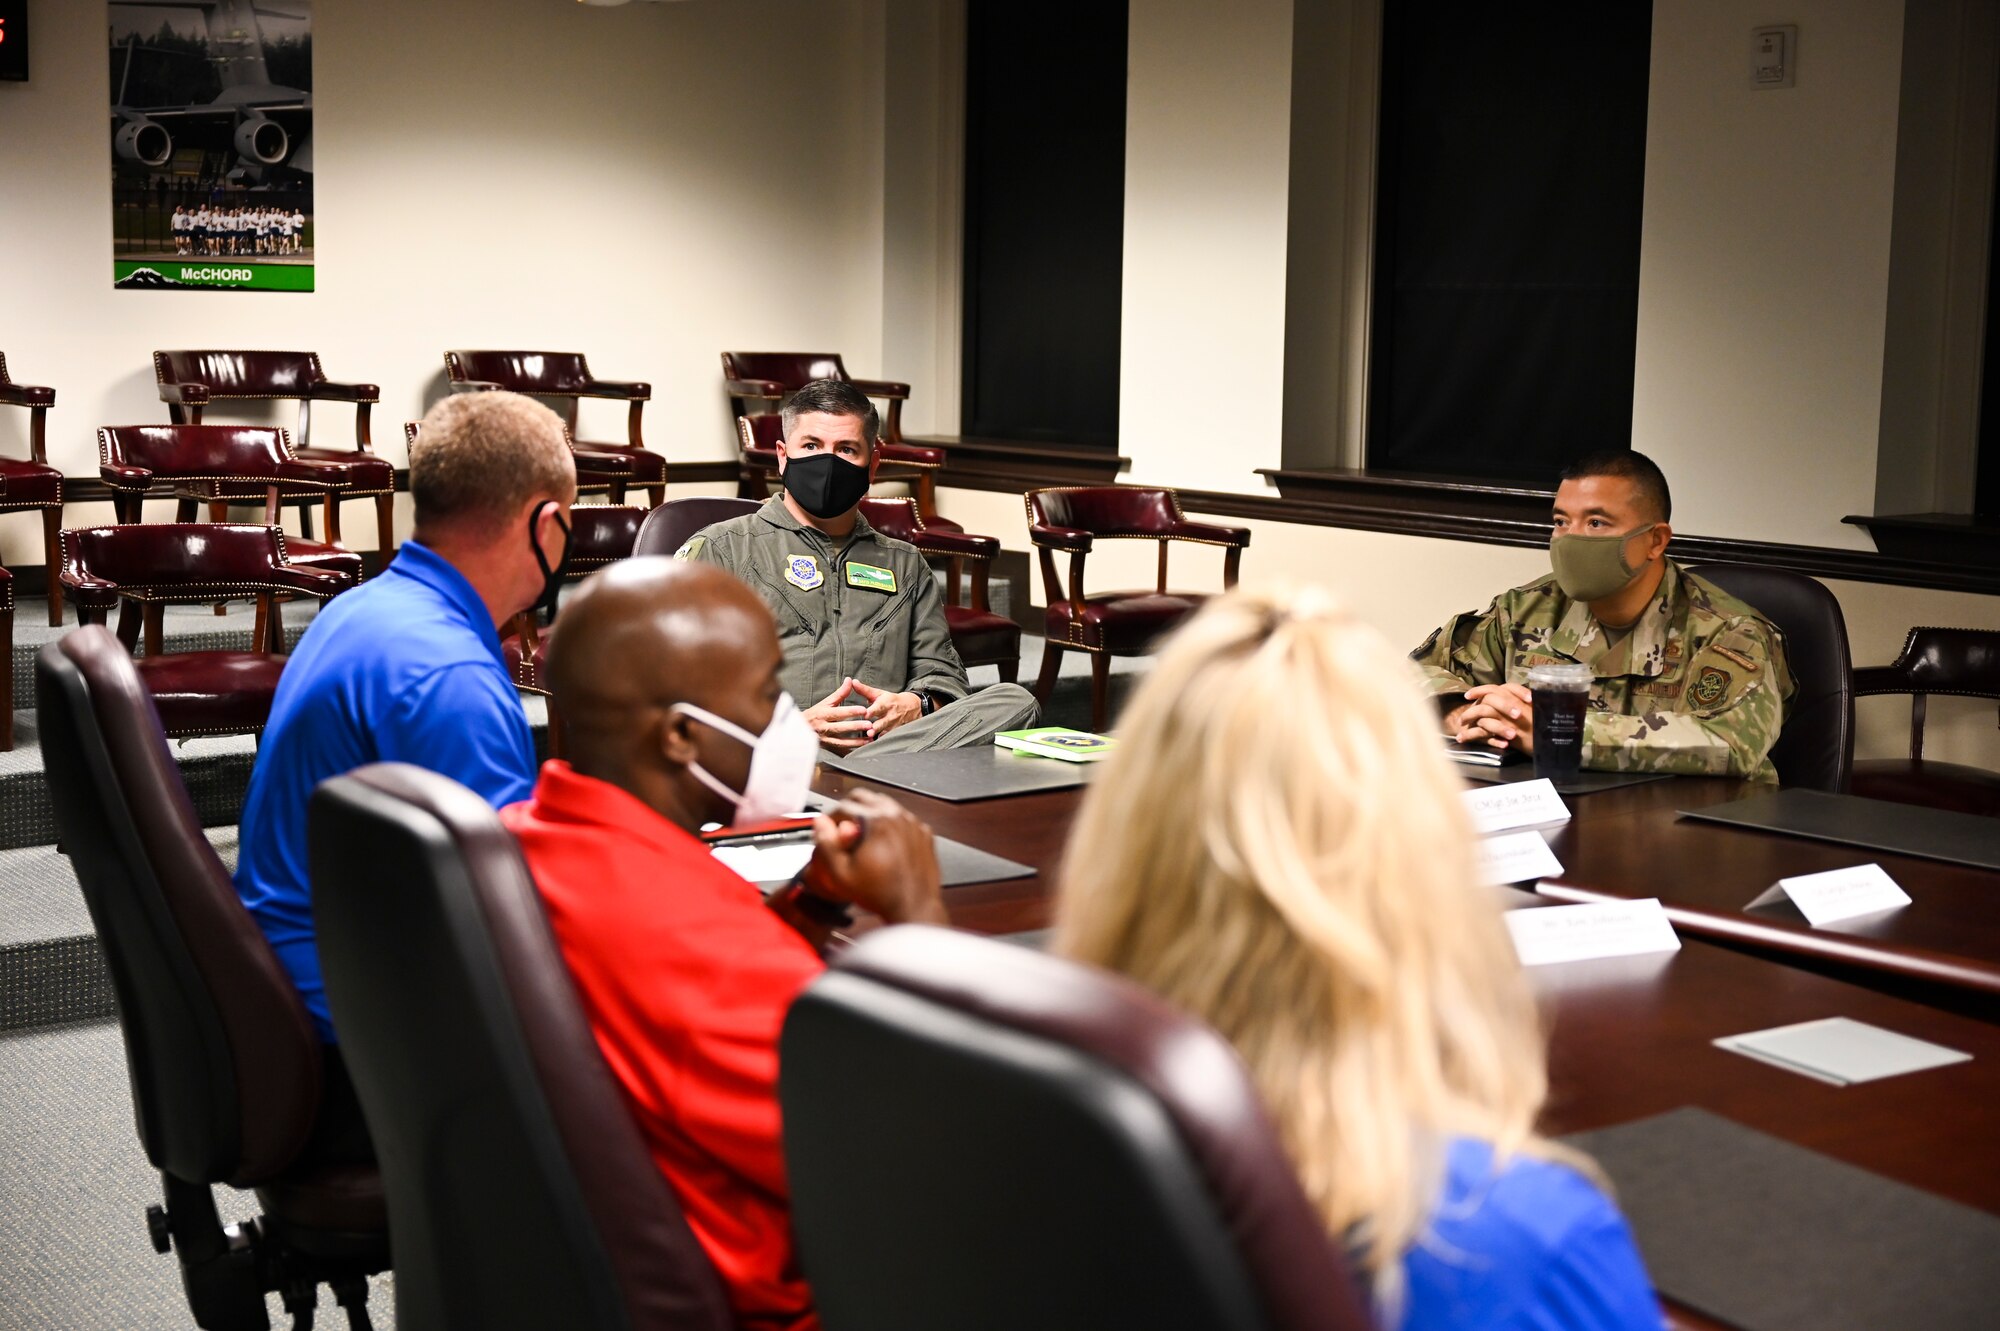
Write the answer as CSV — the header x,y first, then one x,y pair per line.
x,y
407,667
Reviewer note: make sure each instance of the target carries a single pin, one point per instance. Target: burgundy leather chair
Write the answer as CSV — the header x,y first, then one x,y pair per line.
x,y
1126,1173
667,527
225,1067
6,661
980,636
1072,519
757,441
599,534
222,464
1816,747
195,693
191,380
520,1190
1963,663
31,483
565,375
758,382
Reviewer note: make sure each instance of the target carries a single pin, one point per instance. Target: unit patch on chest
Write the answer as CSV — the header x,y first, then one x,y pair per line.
x,y
802,571
873,578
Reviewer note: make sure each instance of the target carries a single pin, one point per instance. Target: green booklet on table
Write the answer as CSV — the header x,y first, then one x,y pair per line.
x,y
1072,746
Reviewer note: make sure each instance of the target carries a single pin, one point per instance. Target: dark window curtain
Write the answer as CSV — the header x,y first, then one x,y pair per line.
x,y
1044,219
1512,169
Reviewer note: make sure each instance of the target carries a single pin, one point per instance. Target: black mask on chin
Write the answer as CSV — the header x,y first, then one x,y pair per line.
x,y
552,578
824,485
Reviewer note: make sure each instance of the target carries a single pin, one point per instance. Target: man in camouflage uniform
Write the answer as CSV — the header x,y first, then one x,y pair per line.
x,y
1688,679
859,614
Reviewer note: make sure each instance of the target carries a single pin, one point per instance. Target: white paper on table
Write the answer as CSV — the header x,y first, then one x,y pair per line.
x,y
1837,894
1516,857
1549,934
766,861
1502,808
1841,1051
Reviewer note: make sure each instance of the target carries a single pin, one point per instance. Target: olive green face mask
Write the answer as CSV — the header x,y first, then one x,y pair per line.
x,y
1590,568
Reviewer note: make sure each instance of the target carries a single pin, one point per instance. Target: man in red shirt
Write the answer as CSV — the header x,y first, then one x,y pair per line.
x,y
666,676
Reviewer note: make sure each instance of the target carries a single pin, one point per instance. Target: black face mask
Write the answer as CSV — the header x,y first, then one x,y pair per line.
x,y
552,578
824,485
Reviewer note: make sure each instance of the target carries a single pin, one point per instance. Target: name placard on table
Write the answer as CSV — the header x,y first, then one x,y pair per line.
x,y
1551,934
1837,894
1516,857
1523,804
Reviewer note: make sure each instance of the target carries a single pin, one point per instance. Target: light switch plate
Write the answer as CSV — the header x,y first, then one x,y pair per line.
x,y
1774,56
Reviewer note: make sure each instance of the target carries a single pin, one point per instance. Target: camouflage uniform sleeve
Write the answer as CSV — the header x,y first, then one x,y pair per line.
x,y
1731,711
1469,649
934,663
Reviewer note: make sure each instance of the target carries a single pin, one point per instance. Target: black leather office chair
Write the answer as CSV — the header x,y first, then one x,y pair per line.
x,y
667,527
1816,749
1059,1149
225,1067
520,1191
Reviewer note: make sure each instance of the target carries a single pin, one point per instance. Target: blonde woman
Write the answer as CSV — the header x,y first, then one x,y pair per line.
x,y
1278,847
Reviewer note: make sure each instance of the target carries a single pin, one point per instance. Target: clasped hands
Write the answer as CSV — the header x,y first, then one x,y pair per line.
x,y
1502,715
846,726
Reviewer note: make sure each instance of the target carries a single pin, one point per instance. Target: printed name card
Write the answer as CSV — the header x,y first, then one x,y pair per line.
x,y
1516,857
1551,934
1521,804
1838,894
1841,1051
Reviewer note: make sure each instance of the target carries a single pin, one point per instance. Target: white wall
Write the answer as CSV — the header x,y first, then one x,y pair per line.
x,y
1764,267
1202,352
648,184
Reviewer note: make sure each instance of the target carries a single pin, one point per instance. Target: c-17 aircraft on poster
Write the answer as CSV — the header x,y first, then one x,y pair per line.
x,y
251,117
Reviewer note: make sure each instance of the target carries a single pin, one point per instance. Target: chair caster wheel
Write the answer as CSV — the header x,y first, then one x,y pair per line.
x,y
156,1225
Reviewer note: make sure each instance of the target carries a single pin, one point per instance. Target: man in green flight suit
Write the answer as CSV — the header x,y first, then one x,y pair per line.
x,y
859,613
1689,680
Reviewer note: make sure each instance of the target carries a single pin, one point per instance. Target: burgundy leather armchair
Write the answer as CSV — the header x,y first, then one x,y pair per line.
x,y
980,636
226,1072
1134,1176
191,380
566,375
1070,520
758,439
758,382
6,661
1962,663
31,483
152,566
599,534
219,465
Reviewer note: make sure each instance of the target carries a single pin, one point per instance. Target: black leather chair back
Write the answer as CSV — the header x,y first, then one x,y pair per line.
x,y
1816,749
225,1067
521,1194
668,526
983,1138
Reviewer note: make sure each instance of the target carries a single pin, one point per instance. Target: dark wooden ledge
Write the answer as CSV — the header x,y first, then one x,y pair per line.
x,y
1015,466
1418,511
1939,538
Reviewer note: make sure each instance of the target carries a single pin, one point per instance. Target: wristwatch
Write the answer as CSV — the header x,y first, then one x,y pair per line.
x,y
926,702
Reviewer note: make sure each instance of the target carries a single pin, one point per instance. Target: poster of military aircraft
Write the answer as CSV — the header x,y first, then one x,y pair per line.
x,y
211,144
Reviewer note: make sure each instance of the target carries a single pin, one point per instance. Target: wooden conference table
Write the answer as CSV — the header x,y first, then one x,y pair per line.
x,y
1631,1037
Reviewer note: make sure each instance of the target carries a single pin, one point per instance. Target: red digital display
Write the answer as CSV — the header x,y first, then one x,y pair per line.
x,y
14,40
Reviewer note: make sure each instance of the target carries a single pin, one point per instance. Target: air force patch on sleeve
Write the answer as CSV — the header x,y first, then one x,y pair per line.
x,y
1709,687
802,571
691,547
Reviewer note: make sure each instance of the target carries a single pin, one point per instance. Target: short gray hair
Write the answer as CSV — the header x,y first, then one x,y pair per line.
x,y
836,397
480,456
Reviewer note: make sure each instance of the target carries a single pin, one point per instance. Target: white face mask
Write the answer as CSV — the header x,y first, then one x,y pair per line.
x,y
781,762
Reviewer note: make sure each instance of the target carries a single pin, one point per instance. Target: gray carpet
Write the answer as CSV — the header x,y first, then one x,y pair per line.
x,y
74,1187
